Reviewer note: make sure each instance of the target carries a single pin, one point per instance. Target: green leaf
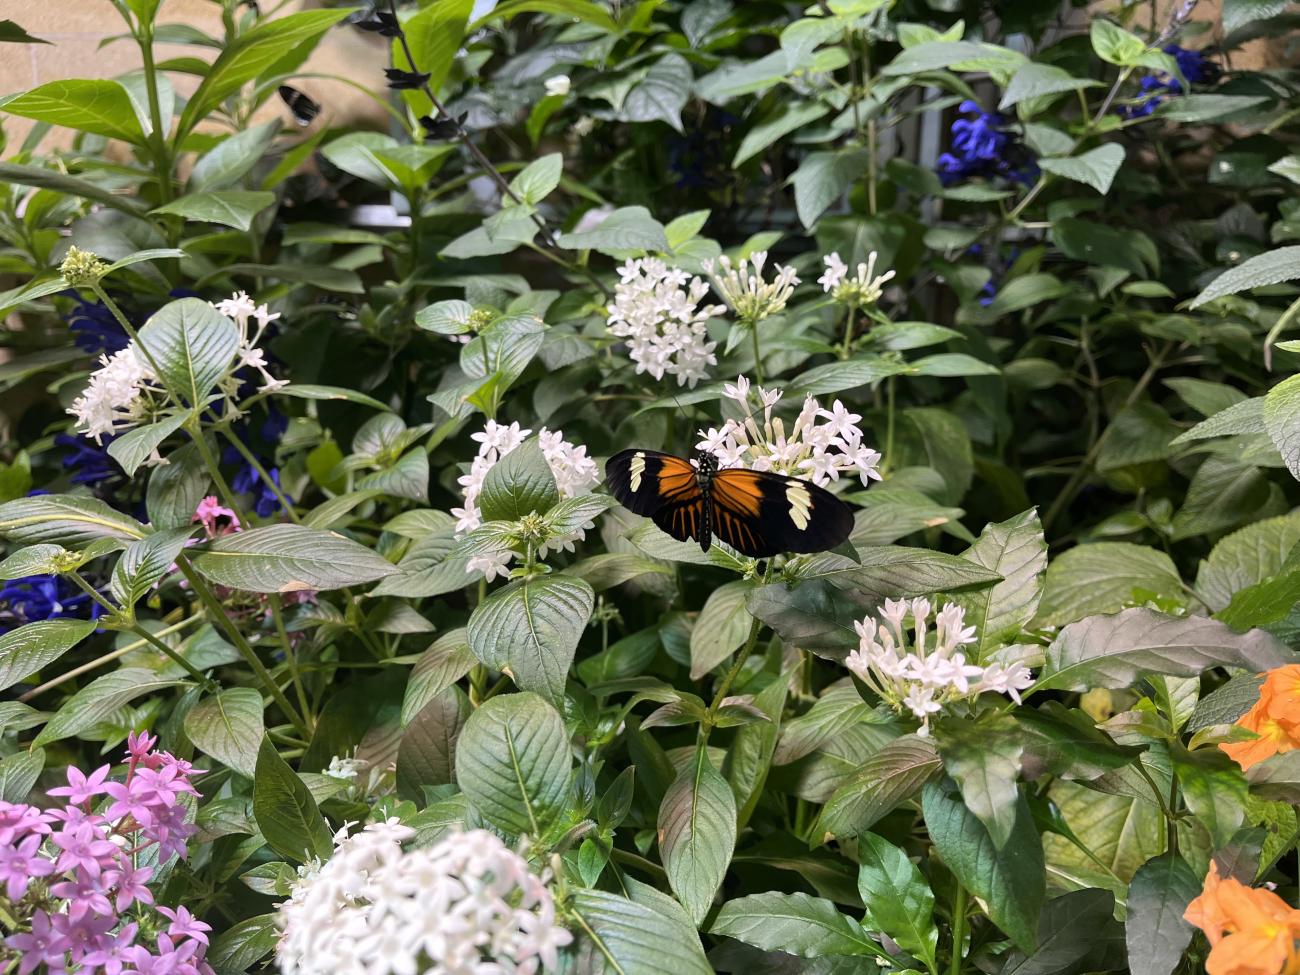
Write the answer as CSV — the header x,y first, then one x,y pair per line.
x,y
1077,932
228,726
1116,651
101,698
233,158
953,56
950,364
1095,243
427,753
637,939
626,229
19,772
446,661
520,483
98,106
1066,743
532,627
231,208
812,615
289,558
512,762
285,811
427,569
534,183
1102,577
661,94
786,117
314,392
1155,930
1245,558
1010,882
1114,44
239,947
193,346
1223,493
1034,80
65,519
835,377
408,478
697,834
1016,550
822,178
63,183
1208,108
983,756
146,561
898,899
1271,267
176,488
434,34
895,773
1241,13
1282,415
1096,167
1244,417
134,447
1214,790
721,627
29,648
1264,603
12,33
252,53
797,924
34,560
896,571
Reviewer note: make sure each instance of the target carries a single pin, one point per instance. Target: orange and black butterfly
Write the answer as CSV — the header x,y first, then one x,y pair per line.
x,y
758,513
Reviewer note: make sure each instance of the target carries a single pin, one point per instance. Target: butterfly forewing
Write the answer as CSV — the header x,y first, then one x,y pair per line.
x,y
644,481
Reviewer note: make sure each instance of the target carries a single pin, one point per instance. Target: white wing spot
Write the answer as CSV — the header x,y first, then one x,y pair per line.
x,y
637,468
800,502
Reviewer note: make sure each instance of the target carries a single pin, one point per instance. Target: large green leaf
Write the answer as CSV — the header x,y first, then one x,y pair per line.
x,y
1245,558
1155,930
899,901
983,756
822,178
99,106
532,627
145,562
1271,267
626,229
1116,651
1104,577
721,627
512,761
1213,789
1011,882
520,483
1282,418
446,661
1016,550
697,834
226,163
239,947
1096,167
19,772
662,93
229,727
285,811
135,447
895,773
192,344
27,649
1077,932
427,753
64,519
797,924
231,208
101,698
61,182
638,939
289,558
434,35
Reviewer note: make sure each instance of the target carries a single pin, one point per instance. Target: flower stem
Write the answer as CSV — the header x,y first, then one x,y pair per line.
x,y
262,473
290,657
195,430
889,427
758,356
958,930
846,348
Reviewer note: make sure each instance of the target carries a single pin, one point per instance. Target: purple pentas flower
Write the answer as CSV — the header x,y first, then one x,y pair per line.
x,y
84,847
184,924
20,864
82,788
86,893
984,147
17,820
81,933
130,885
110,956
38,946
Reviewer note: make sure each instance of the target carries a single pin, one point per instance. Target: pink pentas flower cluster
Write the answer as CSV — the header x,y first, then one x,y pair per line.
x,y
72,874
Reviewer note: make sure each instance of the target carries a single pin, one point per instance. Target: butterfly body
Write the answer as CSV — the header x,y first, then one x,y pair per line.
x,y
758,513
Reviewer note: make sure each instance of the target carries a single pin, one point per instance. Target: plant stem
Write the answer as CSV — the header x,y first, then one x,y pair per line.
x,y
958,930
889,424
107,658
846,348
741,656
1278,328
132,334
215,611
285,502
157,138
758,356
291,658
195,430
640,862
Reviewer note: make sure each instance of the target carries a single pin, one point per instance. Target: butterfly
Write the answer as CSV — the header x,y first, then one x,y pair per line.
x,y
758,513
304,108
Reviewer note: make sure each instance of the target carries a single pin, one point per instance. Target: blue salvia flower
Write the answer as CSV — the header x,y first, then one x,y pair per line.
x,y
984,148
247,480
86,461
34,598
94,328
1155,88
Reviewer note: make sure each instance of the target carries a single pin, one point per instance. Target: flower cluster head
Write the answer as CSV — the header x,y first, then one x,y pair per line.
x,y
861,290
1251,930
930,671
467,905
121,393
215,518
984,147
82,267
1154,88
1275,718
574,472
241,309
73,882
742,287
655,309
821,445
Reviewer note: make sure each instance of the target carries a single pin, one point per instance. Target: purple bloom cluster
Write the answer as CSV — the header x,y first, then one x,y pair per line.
x,y
94,328
246,479
32,598
71,874
983,146
1154,88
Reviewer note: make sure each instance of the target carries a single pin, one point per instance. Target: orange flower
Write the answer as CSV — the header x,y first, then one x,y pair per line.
x,y
1252,931
1275,718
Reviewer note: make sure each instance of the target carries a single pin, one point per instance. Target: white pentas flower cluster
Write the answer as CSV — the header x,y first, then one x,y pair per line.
x,y
574,472
120,394
656,310
241,309
466,906
862,289
742,287
930,671
820,445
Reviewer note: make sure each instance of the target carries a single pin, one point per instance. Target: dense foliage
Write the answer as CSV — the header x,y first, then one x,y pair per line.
x,y
323,647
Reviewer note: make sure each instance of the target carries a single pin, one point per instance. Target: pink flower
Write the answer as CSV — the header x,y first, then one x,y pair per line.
x,y
19,819
20,863
111,955
84,934
130,882
81,787
84,893
40,946
85,846
216,520
184,924
139,744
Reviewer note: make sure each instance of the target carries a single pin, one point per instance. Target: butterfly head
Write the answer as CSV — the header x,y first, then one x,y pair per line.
x,y
705,462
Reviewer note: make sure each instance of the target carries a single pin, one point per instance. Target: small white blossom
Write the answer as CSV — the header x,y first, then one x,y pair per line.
x,y
466,906
820,445
929,672
117,396
345,768
583,126
240,308
742,287
655,309
557,85
862,290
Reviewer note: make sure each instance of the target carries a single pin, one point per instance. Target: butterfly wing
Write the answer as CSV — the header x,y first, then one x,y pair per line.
x,y
760,514
662,487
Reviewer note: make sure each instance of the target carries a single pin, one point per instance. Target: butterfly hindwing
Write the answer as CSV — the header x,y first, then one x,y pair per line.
x,y
760,513
646,481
